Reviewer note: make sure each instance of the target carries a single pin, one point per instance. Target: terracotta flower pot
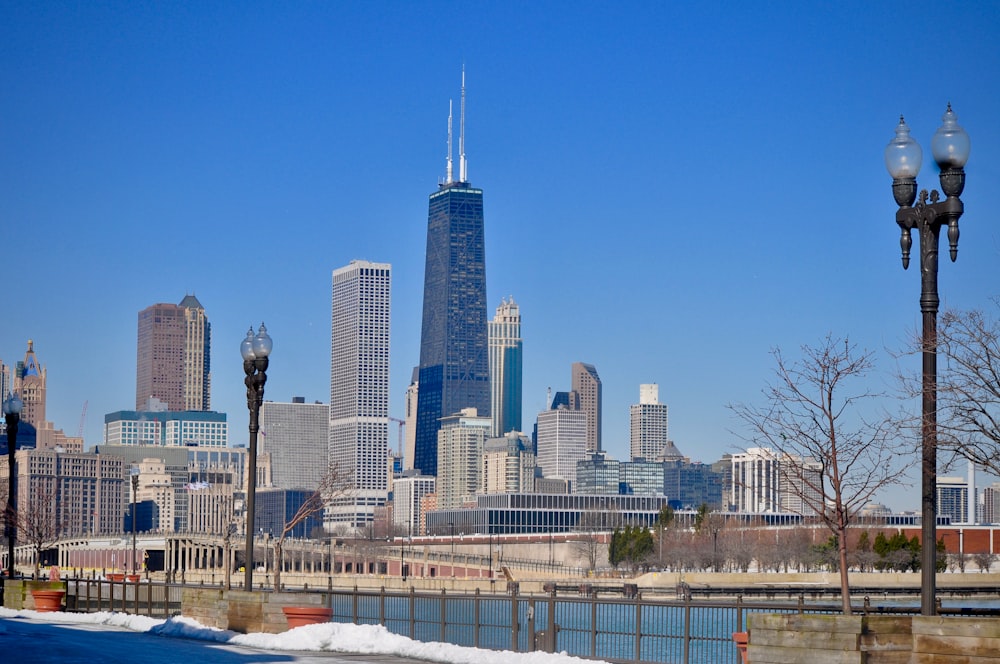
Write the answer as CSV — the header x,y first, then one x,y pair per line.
x,y
115,576
297,616
48,600
742,639
132,578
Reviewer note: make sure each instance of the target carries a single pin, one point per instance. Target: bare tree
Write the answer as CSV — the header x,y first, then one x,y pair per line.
x,y
590,543
833,455
968,396
332,485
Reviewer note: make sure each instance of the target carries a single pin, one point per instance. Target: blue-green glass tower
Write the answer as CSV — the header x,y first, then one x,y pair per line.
x,y
454,353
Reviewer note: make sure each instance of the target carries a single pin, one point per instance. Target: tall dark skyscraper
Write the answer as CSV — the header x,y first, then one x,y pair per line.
x,y
454,352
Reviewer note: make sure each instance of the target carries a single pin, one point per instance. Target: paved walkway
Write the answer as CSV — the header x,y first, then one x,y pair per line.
x,y
29,642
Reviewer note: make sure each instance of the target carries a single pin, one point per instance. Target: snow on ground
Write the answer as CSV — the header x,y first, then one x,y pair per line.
x,y
330,637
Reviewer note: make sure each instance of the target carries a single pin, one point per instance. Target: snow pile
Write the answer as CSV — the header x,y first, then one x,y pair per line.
x,y
331,637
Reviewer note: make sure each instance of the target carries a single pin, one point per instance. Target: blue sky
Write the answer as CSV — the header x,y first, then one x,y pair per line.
x,y
671,189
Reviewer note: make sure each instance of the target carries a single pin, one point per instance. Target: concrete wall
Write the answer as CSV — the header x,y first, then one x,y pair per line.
x,y
859,639
242,611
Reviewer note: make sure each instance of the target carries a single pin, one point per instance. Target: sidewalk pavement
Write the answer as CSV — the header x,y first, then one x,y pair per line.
x,y
34,642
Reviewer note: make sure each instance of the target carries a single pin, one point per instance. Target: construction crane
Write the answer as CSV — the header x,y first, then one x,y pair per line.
x,y
402,430
83,419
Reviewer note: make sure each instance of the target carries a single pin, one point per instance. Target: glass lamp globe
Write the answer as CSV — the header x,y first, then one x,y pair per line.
x,y
246,346
262,343
903,154
950,145
12,405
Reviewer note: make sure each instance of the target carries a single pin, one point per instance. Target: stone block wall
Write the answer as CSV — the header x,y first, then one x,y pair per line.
x,y
958,640
242,611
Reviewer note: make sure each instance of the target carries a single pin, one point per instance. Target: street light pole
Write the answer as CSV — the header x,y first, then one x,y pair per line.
x,y
950,147
255,350
135,489
12,416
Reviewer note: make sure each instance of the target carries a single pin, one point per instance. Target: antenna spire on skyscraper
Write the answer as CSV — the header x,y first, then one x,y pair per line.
x,y
448,177
462,167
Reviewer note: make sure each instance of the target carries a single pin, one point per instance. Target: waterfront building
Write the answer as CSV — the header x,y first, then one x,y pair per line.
x,y
460,444
587,386
649,433
505,368
522,513
454,355
297,436
562,442
359,390
173,355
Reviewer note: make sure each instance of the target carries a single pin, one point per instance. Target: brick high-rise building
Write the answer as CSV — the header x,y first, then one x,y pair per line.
x,y
587,386
173,356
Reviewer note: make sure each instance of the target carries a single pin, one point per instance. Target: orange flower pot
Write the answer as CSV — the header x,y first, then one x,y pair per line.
x,y
47,601
297,616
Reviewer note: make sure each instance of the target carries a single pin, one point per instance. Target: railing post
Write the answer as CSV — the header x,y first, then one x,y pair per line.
x,y
354,605
475,619
552,638
638,627
381,606
515,623
593,625
444,615
413,607
687,628
531,624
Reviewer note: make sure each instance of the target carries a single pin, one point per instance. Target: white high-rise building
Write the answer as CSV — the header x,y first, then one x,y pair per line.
x,y
562,442
460,447
359,389
407,492
505,368
297,436
649,431
755,481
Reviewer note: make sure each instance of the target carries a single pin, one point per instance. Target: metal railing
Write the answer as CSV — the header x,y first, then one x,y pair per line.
x,y
624,629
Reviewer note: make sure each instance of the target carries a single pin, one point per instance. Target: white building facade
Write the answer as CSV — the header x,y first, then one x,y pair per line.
x,y
297,436
649,433
359,389
562,442
460,446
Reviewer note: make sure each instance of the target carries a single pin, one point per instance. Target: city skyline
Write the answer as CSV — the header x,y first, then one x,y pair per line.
x,y
672,191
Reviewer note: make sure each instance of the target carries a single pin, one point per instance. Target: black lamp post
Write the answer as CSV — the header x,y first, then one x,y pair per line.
x,y
135,490
12,415
254,350
950,147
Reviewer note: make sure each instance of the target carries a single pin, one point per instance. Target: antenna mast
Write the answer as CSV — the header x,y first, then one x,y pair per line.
x,y
462,168
448,178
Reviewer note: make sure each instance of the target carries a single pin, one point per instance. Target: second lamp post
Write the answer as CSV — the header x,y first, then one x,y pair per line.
x,y
254,349
950,147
